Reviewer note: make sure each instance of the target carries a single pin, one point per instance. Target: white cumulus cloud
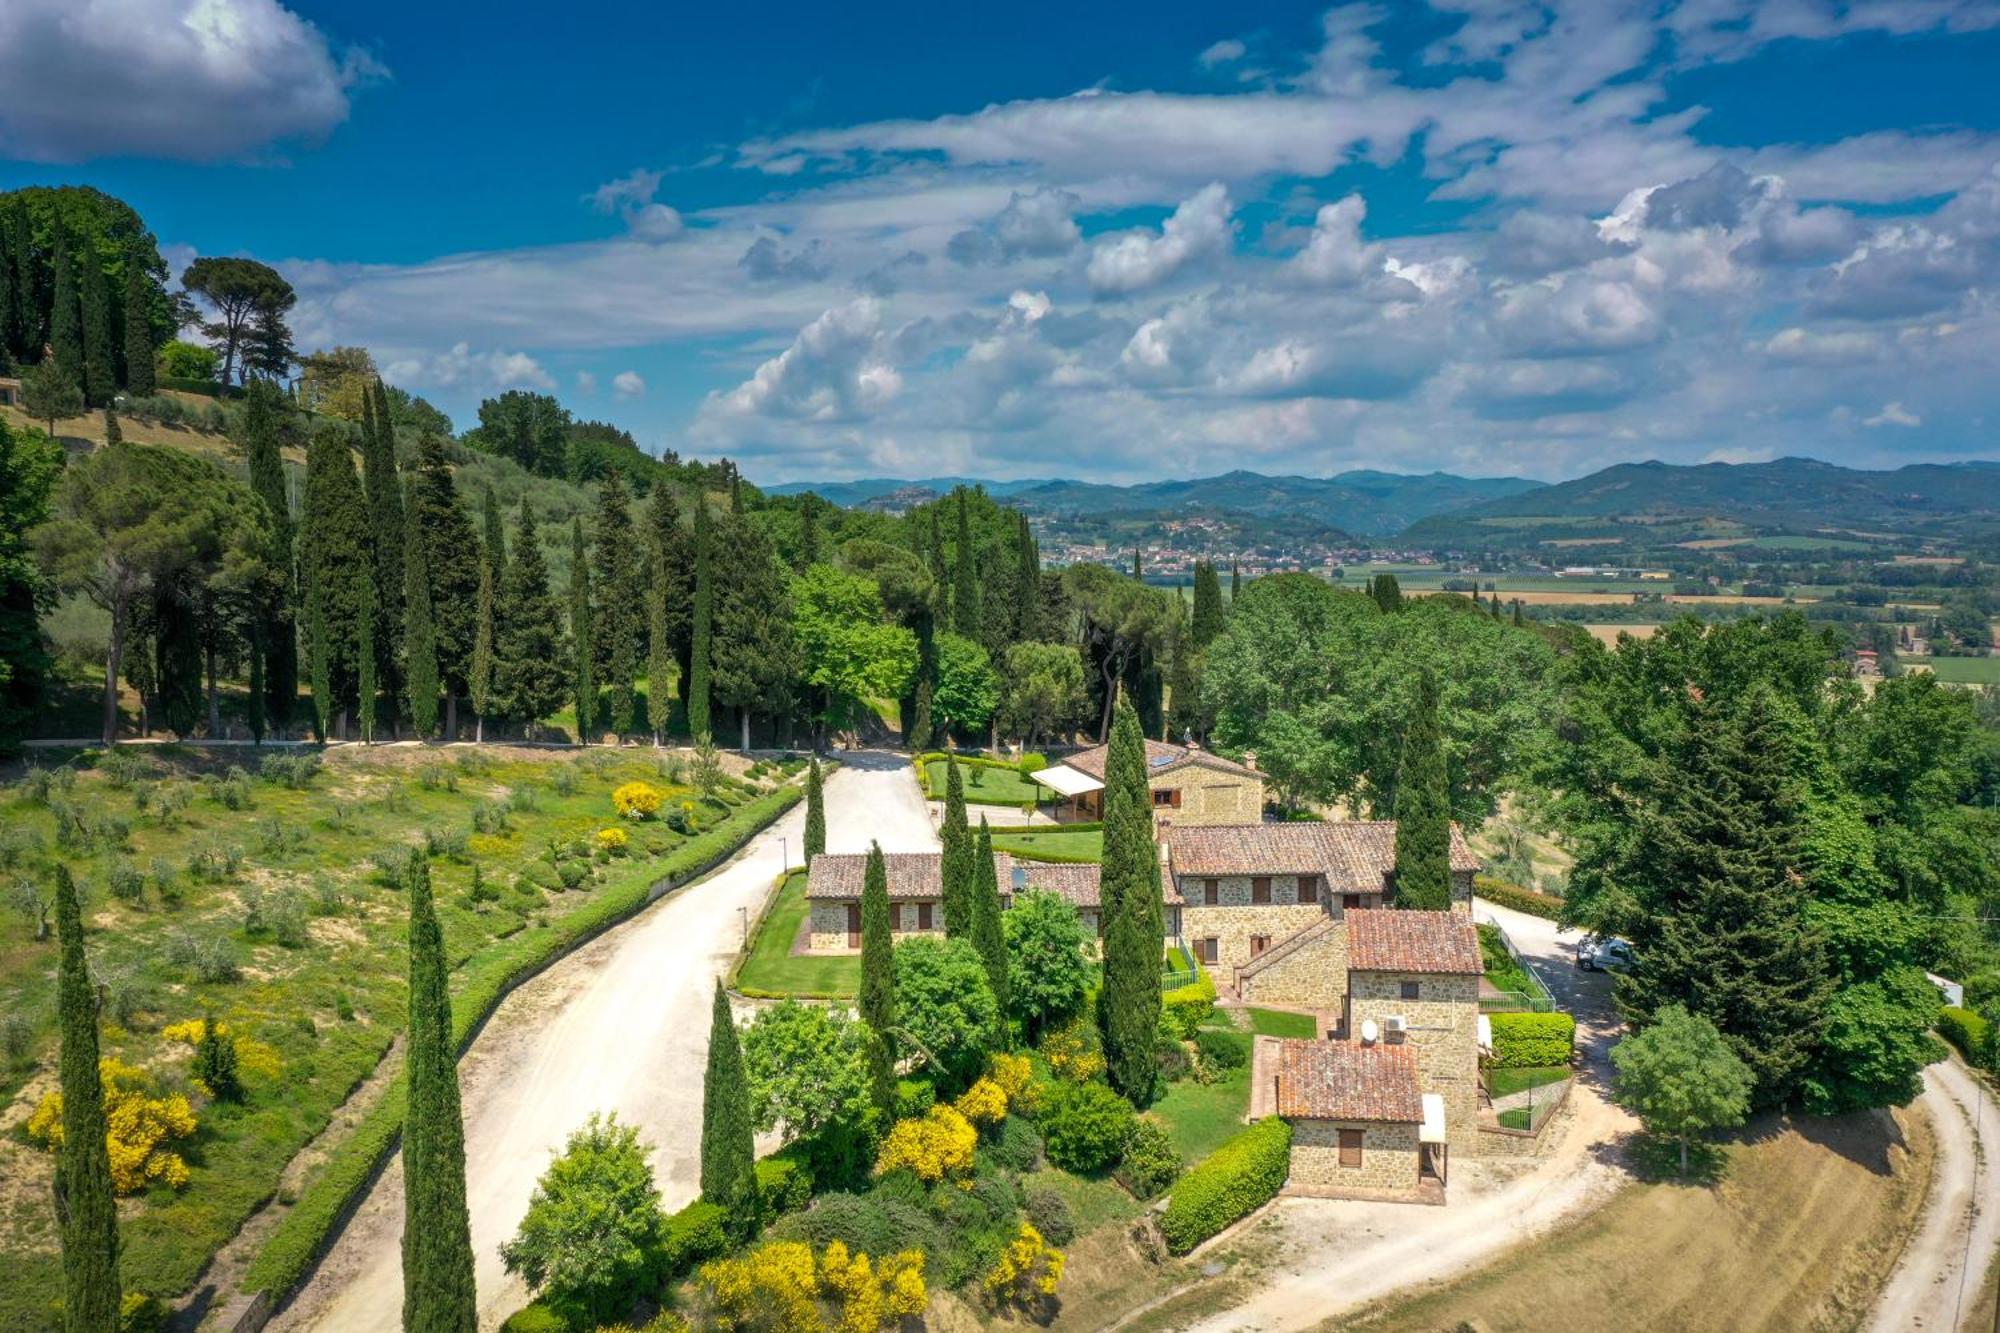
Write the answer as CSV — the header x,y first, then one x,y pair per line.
x,y
1135,260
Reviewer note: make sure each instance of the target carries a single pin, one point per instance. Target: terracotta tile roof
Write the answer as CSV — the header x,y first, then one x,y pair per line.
x,y
1388,939
1342,1080
915,876
1353,855
1160,758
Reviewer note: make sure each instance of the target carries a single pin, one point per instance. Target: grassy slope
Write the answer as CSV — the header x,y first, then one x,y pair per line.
x,y
353,956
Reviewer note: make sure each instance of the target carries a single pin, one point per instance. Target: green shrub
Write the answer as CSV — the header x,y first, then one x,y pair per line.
x,y
1017,1146
697,1232
784,1184
140,1313
289,770
1223,1048
542,875
1172,1055
1188,1007
535,1318
1150,1164
1970,1032
125,882
1532,1041
1544,905
571,874
914,1096
1239,1177
1030,762
874,1223
1084,1126
1051,1215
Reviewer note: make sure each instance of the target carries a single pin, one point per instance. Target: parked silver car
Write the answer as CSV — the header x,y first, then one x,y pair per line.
x,y
1603,953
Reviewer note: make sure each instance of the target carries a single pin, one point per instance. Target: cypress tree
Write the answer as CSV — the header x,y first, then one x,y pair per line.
x,y
987,934
112,433
1128,1007
10,291
438,1294
579,633
139,379
878,982
1138,564
66,312
334,543
1027,582
85,1210
260,427
253,703
528,669
384,494
1517,613
452,562
479,669
319,659
100,341
420,673
1206,622
670,593
1423,808
808,531
1235,582
364,656
815,812
618,618
920,717
704,614
965,575
659,646
728,1153
1387,592
493,548
215,1062
957,867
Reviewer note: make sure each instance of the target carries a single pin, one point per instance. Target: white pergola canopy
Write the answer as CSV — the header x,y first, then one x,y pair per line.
x,y
1066,781
1433,1130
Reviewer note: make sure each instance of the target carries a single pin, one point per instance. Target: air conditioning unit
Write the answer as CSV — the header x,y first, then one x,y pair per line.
x,y
1395,1026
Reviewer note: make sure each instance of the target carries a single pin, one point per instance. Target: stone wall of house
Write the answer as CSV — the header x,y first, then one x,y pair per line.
x,y
1389,1155
829,923
1444,1036
1209,797
1232,926
1461,891
1313,976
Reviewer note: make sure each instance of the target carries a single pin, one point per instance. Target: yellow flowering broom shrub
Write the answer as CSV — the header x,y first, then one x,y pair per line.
x,y
137,1123
984,1103
638,800
253,1057
780,1286
1072,1050
934,1146
1016,1076
613,840
1028,1272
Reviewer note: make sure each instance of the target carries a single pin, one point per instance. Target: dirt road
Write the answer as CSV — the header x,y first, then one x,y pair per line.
x,y
1937,1280
619,1026
1344,1254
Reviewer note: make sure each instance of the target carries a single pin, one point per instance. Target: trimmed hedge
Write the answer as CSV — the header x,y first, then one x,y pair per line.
x,y
784,1184
1237,1179
299,1239
1532,1041
1502,894
535,1318
1187,1007
1971,1033
697,1232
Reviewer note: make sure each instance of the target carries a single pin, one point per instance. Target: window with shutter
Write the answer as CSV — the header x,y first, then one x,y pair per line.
x,y
1211,892
1350,1147
923,916
1308,888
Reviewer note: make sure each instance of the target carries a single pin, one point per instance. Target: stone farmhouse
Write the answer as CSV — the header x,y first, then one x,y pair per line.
x,y
1190,785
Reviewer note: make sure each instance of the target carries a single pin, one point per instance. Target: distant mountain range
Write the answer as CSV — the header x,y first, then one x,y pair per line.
x,y
1367,504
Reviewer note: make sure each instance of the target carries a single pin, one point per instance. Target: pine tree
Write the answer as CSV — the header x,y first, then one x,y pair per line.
x,y
728,1153
965,574
438,1293
1721,926
1423,807
1128,1006
1206,622
452,558
618,625
815,812
957,867
420,673
66,312
85,1210
579,634
100,335
987,934
878,982
139,380
704,614
528,669
259,432
384,492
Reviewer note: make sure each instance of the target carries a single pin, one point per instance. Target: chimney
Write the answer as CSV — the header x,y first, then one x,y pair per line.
x,y
1250,760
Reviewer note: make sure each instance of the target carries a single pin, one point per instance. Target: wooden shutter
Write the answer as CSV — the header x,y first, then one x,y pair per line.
x,y
1211,892
1350,1147
923,916
1308,888
1260,889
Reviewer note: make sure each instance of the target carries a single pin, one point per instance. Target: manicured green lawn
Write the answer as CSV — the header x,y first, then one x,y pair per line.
x,y
1960,670
1054,844
1200,1117
988,786
1093,1201
1500,1082
771,966
1275,1023
1501,969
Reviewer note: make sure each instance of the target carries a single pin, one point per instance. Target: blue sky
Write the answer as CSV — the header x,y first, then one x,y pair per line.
x,y
1110,241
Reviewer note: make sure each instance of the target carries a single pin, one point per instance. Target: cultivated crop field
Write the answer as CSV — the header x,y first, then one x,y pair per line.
x,y
267,891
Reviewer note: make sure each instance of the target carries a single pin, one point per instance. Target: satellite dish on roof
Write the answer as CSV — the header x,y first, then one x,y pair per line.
x,y
1369,1032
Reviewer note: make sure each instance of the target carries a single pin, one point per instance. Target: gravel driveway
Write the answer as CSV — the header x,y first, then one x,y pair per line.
x,y
621,1025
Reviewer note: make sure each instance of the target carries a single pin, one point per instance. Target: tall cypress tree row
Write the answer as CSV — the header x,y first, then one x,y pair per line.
x,y
384,492
728,1150
965,575
1128,1007
877,998
529,676
1423,808
452,560
260,430
139,380
1206,621
988,936
85,1209
957,867
438,1294
334,546
703,646
579,634
420,673
815,811
618,619
100,334
66,312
